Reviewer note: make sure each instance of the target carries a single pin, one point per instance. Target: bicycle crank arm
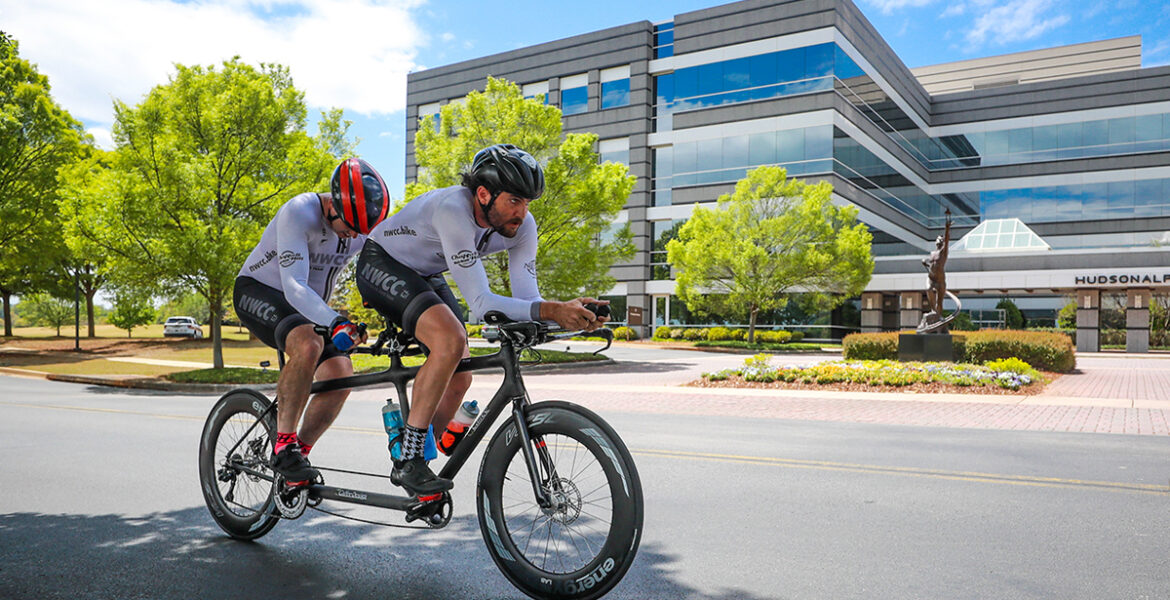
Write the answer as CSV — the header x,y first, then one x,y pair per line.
x,y
325,492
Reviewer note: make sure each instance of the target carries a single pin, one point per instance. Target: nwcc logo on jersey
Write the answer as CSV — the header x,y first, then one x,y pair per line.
x,y
268,256
288,257
403,230
387,282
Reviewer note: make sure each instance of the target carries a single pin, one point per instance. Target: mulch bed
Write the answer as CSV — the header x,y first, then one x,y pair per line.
x,y
736,381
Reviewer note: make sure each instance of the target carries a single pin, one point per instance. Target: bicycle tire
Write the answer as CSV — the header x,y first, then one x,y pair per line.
x,y
588,458
236,412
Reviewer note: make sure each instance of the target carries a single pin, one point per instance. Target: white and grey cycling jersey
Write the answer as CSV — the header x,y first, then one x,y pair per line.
x,y
300,255
437,232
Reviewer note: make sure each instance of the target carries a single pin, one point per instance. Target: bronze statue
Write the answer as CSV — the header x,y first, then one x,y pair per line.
x,y
934,321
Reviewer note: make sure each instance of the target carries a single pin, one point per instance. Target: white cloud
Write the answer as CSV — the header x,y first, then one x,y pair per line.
x,y
889,6
1014,21
352,54
102,137
448,37
954,10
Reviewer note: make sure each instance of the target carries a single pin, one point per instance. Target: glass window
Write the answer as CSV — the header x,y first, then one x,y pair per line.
x,y
1121,198
1046,138
818,142
686,82
684,158
762,70
575,100
789,145
737,74
1147,198
790,65
762,148
663,161
710,78
997,143
818,60
1020,140
1096,133
665,85
735,151
843,66
615,93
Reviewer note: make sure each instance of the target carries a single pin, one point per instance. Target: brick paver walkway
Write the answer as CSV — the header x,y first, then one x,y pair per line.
x,y
1137,379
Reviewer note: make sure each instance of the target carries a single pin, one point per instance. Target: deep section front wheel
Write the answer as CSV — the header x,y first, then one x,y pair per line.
x,y
233,470
582,543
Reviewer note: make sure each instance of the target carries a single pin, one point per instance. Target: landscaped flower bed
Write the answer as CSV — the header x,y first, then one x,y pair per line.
x,y
1009,374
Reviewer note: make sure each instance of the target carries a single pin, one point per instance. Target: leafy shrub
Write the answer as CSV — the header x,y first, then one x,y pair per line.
x,y
1071,333
963,322
1010,365
662,332
1013,317
625,333
1113,337
1067,317
694,333
718,334
773,337
1046,351
870,346
738,335
474,330
796,336
677,333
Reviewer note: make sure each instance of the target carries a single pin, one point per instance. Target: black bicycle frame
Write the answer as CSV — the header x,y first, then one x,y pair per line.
x,y
511,391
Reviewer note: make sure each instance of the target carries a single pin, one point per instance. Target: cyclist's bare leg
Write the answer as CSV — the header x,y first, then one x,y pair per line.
x,y
456,390
303,347
324,407
444,335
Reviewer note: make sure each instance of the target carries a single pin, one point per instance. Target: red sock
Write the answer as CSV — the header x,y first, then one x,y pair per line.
x,y
305,449
284,439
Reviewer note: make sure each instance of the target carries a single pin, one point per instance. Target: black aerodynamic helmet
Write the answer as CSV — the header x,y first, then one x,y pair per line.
x,y
506,168
360,197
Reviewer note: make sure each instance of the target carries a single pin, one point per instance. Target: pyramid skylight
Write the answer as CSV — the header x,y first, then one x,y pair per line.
x,y
1001,235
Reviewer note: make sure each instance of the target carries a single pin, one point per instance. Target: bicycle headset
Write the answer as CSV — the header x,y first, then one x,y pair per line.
x,y
360,198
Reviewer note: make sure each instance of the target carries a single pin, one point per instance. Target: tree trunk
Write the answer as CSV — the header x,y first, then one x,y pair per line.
x,y
752,325
216,305
7,313
89,294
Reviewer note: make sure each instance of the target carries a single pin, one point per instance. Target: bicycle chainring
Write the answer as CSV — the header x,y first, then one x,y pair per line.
x,y
291,501
436,514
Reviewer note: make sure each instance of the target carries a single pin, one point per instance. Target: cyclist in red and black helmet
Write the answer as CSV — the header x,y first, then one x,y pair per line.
x,y
281,292
400,272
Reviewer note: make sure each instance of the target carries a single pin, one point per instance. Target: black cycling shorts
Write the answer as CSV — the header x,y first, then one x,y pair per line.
x,y
397,291
265,312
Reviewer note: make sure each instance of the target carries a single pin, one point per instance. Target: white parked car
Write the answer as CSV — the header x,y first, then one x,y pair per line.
x,y
182,327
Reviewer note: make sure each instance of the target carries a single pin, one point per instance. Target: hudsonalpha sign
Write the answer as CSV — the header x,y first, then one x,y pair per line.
x,y
1115,279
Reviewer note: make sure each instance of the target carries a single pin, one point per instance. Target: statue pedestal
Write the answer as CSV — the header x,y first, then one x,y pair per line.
x,y
926,347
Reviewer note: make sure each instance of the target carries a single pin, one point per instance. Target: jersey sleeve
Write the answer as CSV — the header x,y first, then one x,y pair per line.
x,y
457,235
293,225
522,263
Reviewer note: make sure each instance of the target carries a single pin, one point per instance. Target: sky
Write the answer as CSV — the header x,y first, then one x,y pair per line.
x,y
355,54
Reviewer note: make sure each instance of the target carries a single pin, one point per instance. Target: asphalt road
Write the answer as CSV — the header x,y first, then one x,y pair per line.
x,y
101,500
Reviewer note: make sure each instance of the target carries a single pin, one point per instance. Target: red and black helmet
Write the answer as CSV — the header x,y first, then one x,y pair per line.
x,y
360,197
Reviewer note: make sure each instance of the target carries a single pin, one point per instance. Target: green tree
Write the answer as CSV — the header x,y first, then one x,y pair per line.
x,y
202,164
1013,317
46,310
577,244
36,137
130,311
772,238
89,176
1067,317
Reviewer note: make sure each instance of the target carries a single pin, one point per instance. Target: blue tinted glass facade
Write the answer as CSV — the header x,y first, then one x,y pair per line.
x,y
575,100
795,71
615,93
664,40
725,160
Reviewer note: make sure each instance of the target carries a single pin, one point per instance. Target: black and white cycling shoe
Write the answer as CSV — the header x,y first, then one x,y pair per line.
x,y
417,477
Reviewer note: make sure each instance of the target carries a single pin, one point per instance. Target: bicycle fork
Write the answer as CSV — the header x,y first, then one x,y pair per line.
x,y
537,459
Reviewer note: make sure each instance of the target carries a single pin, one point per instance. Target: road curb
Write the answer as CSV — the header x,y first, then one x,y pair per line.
x,y
153,383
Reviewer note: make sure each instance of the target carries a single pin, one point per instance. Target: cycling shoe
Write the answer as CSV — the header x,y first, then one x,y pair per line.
x,y
293,466
417,478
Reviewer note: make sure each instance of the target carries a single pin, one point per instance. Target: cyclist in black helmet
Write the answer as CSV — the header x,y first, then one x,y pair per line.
x,y
281,293
400,273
